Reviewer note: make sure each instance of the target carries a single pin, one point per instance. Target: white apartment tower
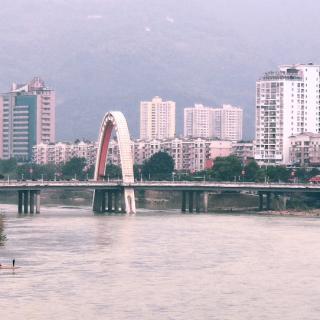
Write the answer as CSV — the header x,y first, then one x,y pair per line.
x,y
287,103
228,122
157,119
198,121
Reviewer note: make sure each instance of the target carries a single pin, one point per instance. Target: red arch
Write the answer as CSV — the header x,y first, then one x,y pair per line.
x,y
104,150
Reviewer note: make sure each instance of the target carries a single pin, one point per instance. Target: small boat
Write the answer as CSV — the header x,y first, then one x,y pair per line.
x,y
8,267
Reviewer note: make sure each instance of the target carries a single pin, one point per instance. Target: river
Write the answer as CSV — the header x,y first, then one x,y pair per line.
x,y
159,265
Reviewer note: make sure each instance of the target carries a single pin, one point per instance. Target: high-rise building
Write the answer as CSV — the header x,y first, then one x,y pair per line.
x,y
228,122
287,103
27,118
224,123
157,119
198,121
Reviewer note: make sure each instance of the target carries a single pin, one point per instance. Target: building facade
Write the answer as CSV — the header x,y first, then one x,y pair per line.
x,y
157,119
287,103
27,118
198,122
224,123
243,150
304,150
189,154
228,122
61,152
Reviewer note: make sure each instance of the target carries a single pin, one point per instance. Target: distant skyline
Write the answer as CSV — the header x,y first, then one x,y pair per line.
x,y
109,55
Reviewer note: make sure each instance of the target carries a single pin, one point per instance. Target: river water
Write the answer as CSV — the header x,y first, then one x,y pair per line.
x,y
159,265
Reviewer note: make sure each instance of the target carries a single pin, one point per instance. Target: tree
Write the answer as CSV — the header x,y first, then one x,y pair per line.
x,y
226,168
137,171
159,167
8,167
74,168
278,174
113,171
251,171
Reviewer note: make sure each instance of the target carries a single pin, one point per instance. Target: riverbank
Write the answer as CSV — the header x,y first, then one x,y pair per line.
x,y
313,213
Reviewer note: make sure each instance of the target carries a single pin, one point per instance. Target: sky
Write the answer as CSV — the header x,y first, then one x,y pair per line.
x,y
103,55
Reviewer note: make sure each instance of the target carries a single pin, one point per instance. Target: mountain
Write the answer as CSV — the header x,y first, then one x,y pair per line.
x,y
103,55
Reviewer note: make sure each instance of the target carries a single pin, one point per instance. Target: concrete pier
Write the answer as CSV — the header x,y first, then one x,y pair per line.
x,y
190,194
116,201
25,201
268,201
260,201
184,201
103,201
38,201
205,201
110,204
20,200
32,198
198,201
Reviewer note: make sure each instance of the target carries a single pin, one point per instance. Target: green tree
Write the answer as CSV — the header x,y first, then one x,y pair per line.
x,y
74,168
113,171
159,167
8,167
226,168
137,171
278,174
251,171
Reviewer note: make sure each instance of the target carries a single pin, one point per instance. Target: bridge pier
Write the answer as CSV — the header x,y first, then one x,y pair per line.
x,y
103,201
184,201
116,201
37,201
97,201
190,201
198,201
189,198
32,198
205,201
268,201
109,200
25,201
260,200
123,202
20,200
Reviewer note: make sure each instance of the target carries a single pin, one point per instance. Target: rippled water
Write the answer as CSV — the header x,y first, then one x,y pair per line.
x,y
160,265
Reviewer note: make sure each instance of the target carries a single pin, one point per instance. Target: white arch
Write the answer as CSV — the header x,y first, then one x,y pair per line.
x,y
116,120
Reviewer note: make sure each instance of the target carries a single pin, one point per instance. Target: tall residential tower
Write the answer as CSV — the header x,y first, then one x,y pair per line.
x,y
198,121
27,118
157,119
287,103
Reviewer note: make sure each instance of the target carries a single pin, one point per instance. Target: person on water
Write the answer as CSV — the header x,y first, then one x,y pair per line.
x,y
13,262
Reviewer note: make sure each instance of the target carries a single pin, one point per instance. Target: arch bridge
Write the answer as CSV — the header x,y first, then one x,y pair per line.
x,y
123,200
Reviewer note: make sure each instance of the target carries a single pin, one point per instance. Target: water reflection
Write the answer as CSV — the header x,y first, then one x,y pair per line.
x,y
3,237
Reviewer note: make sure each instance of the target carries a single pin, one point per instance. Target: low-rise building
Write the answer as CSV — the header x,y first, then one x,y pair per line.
x,y
304,149
243,150
61,152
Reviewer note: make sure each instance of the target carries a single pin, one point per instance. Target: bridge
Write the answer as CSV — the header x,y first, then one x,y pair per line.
x,y
111,193
119,196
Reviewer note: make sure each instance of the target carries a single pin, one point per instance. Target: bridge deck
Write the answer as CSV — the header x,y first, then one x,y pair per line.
x,y
159,185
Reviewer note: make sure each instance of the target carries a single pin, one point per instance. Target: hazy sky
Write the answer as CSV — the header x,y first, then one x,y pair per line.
x,y
102,55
